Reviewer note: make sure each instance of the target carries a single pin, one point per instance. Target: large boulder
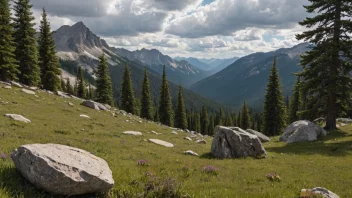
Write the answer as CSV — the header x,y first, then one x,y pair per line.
x,y
302,131
63,170
262,137
236,143
318,192
94,105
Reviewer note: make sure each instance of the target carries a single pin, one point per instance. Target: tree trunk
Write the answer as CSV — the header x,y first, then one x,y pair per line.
x,y
332,113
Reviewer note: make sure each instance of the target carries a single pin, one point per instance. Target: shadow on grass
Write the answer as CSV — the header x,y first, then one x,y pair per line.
x,y
12,182
338,148
207,156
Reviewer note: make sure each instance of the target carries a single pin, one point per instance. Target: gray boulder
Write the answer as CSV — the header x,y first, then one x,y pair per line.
x,y
189,152
318,191
161,142
302,131
90,104
16,84
17,117
27,91
63,94
63,170
233,143
134,133
262,137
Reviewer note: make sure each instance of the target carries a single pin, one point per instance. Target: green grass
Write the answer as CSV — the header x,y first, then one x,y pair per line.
x,y
326,163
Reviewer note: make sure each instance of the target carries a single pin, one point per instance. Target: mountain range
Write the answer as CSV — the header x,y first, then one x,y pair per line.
x,y
212,65
77,45
246,79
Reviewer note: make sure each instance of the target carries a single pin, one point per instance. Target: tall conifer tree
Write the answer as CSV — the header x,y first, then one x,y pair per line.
x,y
69,88
48,61
180,112
81,87
165,105
104,85
146,100
127,94
295,103
26,50
8,64
245,117
274,106
327,66
204,120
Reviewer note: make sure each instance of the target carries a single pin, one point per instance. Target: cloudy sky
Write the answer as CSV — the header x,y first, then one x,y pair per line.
x,y
197,28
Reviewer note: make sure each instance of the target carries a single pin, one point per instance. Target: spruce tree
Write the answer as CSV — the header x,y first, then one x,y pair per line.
x,y
245,117
274,106
63,85
229,121
204,120
127,94
81,87
104,85
211,126
69,88
26,50
165,105
197,123
48,61
239,120
8,64
220,118
327,66
156,115
295,103
146,100
180,112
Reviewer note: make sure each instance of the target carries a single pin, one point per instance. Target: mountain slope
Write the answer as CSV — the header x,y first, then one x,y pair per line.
x,y
77,45
179,72
246,79
196,62
212,65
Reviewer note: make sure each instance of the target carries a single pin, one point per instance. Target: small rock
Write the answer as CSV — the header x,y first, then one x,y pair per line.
x,y
189,152
16,84
84,116
201,142
18,118
174,132
28,91
107,106
188,138
62,94
71,104
5,83
155,133
318,191
140,122
7,87
33,88
161,142
134,133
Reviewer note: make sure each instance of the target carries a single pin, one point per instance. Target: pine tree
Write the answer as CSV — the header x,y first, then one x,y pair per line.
x,y
146,100
165,105
180,112
69,88
220,118
63,85
239,120
245,117
229,121
295,103
204,120
274,106
156,115
327,66
211,126
81,87
197,123
8,64
48,61
26,50
104,85
127,94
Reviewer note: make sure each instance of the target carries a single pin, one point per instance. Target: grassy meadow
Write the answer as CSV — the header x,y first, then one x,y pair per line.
x,y
325,163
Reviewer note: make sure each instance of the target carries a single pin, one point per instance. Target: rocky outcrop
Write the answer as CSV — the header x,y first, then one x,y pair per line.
x,y
302,131
18,118
63,170
233,143
94,105
318,192
262,137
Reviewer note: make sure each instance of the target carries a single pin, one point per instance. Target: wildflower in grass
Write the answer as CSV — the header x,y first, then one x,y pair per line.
x,y
3,156
142,163
210,170
273,177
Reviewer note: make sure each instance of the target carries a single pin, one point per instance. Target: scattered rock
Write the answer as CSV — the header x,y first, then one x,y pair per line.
x,y
71,104
189,152
18,118
174,132
50,92
188,138
84,116
134,133
28,91
16,84
188,131
101,106
62,94
76,98
201,142
7,87
5,83
161,142
107,106
91,104
140,122
302,131
155,133
262,137
344,120
231,143
33,88
318,191
63,170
